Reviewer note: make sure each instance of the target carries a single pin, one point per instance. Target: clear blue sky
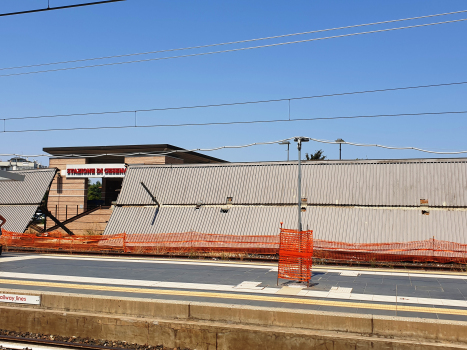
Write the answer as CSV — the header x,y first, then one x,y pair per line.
x,y
418,56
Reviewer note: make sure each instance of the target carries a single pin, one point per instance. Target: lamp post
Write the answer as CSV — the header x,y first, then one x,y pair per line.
x,y
299,141
340,141
288,147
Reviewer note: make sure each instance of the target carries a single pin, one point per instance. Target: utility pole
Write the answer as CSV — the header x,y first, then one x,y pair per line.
x,y
299,141
288,147
340,141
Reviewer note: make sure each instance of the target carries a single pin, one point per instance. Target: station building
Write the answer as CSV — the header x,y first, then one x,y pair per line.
x,y
67,198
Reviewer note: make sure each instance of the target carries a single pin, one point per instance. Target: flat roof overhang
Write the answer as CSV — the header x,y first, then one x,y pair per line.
x,y
127,150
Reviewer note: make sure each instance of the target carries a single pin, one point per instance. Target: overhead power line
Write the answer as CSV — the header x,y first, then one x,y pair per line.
x,y
386,147
232,42
240,103
233,50
242,146
233,122
58,8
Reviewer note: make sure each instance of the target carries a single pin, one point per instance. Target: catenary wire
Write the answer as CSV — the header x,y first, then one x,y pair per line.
x,y
58,8
231,42
250,145
233,50
232,122
239,103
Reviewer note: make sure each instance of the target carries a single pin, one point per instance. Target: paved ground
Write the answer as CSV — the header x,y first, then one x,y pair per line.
x,y
372,291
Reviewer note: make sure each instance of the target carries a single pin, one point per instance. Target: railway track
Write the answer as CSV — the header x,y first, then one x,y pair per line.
x,y
22,343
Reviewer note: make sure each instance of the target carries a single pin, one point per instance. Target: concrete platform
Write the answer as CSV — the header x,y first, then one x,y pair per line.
x,y
411,294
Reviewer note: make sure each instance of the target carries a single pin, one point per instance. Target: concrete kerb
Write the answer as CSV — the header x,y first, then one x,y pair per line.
x,y
199,335
368,325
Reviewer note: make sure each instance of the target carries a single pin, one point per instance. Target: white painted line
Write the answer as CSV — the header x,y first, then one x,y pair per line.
x,y
407,300
18,258
341,290
338,295
162,261
384,298
350,273
401,274
317,294
361,297
248,285
458,303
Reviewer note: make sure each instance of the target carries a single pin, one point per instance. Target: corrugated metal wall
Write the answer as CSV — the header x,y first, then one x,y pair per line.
x,y
350,201
19,200
343,224
17,216
384,183
29,191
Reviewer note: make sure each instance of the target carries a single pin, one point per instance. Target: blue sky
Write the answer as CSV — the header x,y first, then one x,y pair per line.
x,y
419,56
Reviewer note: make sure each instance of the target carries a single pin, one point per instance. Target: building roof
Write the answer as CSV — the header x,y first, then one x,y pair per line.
x,y
188,157
367,182
30,191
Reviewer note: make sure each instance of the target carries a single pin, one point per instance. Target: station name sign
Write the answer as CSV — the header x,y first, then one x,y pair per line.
x,y
94,170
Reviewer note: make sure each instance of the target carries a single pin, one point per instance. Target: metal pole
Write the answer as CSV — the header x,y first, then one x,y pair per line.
x,y
340,151
288,148
299,146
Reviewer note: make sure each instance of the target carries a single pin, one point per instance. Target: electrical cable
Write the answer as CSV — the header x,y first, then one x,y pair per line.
x,y
239,103
234,122
243,146
232,50
231,42
58,8
385,147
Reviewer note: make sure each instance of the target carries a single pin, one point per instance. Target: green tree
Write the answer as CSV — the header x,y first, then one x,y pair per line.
x,y
94,191
318,155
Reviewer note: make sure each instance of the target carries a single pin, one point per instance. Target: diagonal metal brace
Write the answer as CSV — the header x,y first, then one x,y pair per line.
x,y
46,212
149,192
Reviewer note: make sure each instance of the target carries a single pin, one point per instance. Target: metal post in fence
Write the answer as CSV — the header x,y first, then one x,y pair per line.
x,y
76,209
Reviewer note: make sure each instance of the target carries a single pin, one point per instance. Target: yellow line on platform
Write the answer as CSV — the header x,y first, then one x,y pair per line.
x,y
274,299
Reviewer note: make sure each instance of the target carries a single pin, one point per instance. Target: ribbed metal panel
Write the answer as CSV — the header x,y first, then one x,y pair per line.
x,y
343,224
29,191
17,216
237,221
373,183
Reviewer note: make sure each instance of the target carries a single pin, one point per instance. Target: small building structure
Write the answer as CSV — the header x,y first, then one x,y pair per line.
x,y
67,199
19,163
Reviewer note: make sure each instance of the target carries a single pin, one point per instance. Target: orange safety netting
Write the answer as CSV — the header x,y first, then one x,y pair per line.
x,y
60,241
431,250
295,255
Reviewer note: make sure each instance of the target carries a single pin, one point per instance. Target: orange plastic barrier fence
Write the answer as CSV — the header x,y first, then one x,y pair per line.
x,y
295,255
431,250
60,241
